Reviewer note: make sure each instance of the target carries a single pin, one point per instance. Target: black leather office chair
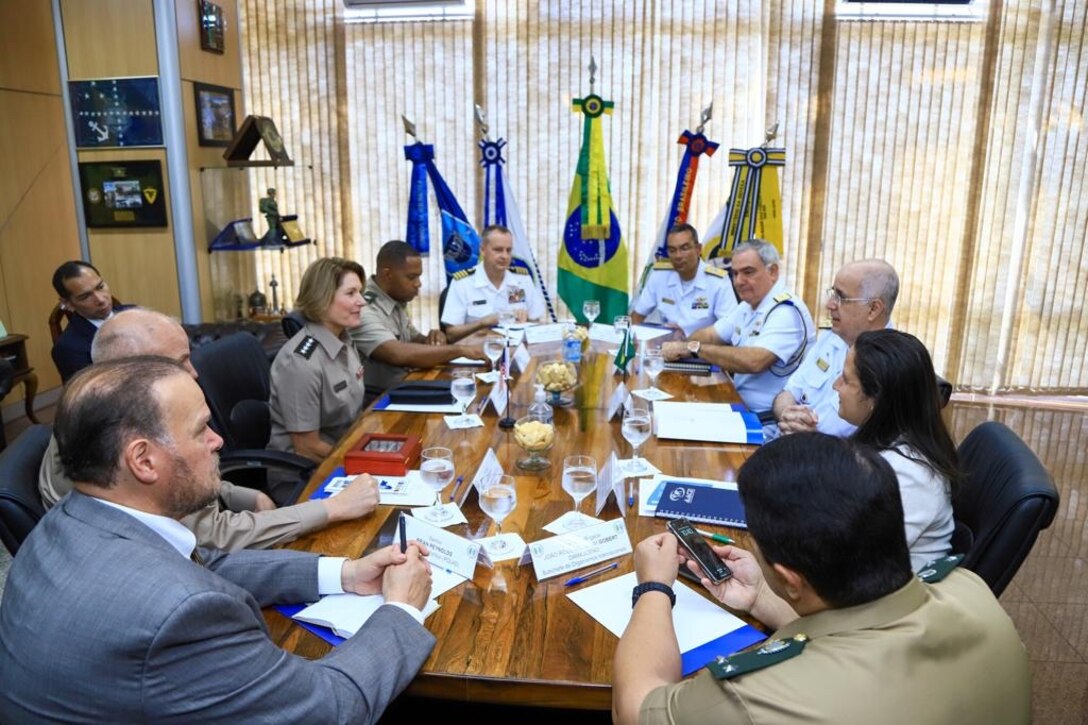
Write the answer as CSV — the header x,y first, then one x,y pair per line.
x,y
20,503
1007,499
292,322
442,306
236,378
944,389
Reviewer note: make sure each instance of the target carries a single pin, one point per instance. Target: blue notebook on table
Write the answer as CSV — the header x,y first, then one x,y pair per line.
x,y
702,504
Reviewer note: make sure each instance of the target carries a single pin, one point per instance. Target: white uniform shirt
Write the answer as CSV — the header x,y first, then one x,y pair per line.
x,y
927,506
706,298
813,384
472,297
784,329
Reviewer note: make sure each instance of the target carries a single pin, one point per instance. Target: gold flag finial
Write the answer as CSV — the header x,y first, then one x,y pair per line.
x,y
481,120
409,127
772,133
592,72
705,117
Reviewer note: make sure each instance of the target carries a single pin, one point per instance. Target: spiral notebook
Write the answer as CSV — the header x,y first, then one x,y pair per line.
x,y
702,504
692,365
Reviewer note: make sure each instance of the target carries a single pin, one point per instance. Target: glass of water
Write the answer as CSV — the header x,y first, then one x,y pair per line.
x,y
507,317
579,477
636,430
436,467
463,389
592,310
498,498
621,324
654,364
493,347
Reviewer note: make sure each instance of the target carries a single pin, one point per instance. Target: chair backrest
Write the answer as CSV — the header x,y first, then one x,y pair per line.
x,y
20,503
1006,500
236,378
58,314
292,322
442,304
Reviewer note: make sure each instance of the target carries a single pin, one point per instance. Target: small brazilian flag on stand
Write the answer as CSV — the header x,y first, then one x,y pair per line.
x,y
626,353
593,258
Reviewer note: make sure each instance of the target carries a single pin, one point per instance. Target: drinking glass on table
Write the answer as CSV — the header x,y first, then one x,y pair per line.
x,y
592,310
636,430
579,478
498,497
621,324
654,363
507,317
436,467
493,347
463,389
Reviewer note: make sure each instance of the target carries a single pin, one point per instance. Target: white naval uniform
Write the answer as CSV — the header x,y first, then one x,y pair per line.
x,y
781,323
472,297
691,306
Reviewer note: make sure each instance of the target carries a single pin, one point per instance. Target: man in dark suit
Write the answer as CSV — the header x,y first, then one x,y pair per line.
x,y
109,614
86,295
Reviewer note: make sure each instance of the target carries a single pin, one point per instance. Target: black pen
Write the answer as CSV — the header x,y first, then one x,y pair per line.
x,y
589,575
403,537
457,485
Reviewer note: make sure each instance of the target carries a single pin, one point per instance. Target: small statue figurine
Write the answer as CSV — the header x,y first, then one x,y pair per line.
x,y
275,300
271,211
258,303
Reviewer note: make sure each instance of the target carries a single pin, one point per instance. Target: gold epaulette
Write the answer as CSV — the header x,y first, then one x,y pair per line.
x,y
464,273
783,297
716,271
519,270
663,264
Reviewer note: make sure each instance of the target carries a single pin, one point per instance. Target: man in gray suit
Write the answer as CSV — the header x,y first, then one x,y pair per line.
x,y
109,614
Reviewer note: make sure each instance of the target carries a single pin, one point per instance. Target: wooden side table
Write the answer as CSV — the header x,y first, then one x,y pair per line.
x,y
13,349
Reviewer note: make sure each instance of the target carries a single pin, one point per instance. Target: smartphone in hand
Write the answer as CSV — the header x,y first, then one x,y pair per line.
x,y
697,548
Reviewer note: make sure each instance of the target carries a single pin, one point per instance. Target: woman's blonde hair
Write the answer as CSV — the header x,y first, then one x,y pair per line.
x,y
320,282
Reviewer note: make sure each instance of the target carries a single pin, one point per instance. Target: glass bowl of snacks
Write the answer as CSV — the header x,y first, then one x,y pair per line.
x,y
535,436
557,377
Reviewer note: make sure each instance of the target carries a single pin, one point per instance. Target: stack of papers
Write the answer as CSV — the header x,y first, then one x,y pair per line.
x,y
711,422
345,614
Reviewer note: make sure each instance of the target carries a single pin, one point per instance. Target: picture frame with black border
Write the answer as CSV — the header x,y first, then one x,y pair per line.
x,y
215,124
123,193
212,26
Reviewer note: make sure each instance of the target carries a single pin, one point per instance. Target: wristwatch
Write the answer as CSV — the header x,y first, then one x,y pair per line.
x,y
644,587
693,347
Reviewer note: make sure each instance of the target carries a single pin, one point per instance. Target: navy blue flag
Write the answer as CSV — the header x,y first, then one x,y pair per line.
x,y
460,242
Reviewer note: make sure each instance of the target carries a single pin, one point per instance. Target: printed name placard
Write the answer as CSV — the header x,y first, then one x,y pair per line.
x,y
580,548
448,550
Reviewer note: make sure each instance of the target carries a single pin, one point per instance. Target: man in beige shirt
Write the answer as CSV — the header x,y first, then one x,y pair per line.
x,y
857,638
386,339
241,517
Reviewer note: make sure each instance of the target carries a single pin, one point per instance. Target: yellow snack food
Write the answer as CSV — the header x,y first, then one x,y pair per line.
x,y
534,435
556,376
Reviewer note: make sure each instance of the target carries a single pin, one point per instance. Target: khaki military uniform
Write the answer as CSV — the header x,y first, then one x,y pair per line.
x,y
383,319
228,523
317,385
940,653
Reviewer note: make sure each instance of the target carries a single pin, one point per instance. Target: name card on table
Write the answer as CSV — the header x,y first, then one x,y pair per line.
x,y
577,549
449,551
620,399
500,391
522,358
605,333
489,467
610,481
544,333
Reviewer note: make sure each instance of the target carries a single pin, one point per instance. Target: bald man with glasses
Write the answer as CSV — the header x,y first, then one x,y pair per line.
x,y
860,300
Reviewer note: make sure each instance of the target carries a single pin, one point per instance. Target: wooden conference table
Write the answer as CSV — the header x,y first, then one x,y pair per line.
x,y
504,637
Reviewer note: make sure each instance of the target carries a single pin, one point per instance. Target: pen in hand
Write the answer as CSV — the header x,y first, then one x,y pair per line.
x,y
403,537
589,575
456,486
715,537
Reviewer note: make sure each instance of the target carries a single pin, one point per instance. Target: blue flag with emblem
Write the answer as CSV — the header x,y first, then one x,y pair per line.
x,y
460,242
500,208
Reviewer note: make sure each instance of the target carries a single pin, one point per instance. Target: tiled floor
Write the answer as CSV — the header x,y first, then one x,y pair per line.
x,y
1048,599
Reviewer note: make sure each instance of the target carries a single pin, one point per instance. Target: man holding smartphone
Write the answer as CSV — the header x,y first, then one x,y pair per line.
x,y
856,637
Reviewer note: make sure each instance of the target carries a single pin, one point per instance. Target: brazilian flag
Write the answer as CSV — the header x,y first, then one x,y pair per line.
x,y
593,259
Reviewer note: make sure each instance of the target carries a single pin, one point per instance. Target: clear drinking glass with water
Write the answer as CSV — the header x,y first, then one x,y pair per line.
x,y
654,363
498,498
436,468
579,477
463,390
592,310
493,347
636,430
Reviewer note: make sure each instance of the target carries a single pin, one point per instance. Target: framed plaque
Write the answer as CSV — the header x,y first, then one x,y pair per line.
x,y
123,193
214,114
116,112
212,26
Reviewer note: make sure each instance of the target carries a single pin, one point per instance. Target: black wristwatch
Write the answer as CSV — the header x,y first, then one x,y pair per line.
x,y
644,587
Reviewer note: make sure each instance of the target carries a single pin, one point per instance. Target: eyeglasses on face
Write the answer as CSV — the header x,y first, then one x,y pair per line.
x,y
834,296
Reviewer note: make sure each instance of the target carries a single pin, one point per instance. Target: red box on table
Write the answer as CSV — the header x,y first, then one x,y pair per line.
x,y
384,454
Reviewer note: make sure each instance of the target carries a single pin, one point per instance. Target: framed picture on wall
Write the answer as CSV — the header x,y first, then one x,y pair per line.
x,y
214,114
123,193
212,26
114,112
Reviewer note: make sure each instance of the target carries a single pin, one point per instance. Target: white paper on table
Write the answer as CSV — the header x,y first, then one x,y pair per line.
x,y
650,489
489,468
490,377
619,399
444,514
461,422
712,422
552,332
652,394
610,482
567,552
515,546
522,358
408,490
571,521
632,468
647,332
605,333
442,581
453,407
345,614
696,619
514,335
448,550
467,361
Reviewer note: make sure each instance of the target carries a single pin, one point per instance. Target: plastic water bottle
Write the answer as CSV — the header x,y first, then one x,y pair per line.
x,y
572,346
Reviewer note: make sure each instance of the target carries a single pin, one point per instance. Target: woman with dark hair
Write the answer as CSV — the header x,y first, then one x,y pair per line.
x,y
889,390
